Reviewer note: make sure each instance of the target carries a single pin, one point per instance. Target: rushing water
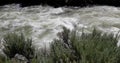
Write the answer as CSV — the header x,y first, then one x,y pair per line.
x,y
42,23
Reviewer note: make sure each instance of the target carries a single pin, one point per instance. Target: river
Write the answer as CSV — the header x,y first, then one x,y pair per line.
x,y
42,23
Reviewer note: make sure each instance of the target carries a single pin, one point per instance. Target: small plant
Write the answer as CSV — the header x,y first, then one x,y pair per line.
x,y
18,44
71,47
95,47
2,59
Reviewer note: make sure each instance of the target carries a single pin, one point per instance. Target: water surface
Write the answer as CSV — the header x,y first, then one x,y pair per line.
x,y
42,23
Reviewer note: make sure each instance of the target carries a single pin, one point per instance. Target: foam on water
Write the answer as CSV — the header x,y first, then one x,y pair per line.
x,y
42,23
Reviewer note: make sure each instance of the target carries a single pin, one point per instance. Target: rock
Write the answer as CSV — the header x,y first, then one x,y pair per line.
x,y
19,59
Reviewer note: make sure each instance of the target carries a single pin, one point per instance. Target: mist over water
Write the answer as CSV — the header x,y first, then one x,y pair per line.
x,y
42,23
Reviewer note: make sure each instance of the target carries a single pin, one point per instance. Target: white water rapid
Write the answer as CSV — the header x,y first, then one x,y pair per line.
x,y
42,23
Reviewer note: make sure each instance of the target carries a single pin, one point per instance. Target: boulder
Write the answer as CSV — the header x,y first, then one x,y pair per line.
x,y
19,59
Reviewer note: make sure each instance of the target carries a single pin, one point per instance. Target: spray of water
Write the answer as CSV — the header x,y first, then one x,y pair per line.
x,y
42,23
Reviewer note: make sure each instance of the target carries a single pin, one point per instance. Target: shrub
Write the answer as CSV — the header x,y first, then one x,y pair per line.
x,y
72,47
1,59
18,44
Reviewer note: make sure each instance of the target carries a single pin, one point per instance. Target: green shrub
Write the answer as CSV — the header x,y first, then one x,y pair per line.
x,y
2,59
72,47
18,44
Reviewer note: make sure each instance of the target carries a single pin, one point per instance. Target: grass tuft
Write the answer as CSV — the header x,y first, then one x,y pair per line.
x,y
18,44
71,47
